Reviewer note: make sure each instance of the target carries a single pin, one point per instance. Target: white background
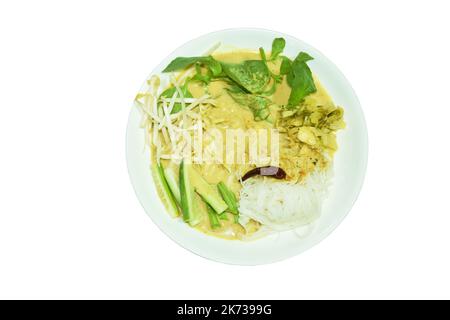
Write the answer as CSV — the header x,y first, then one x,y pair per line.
x,y
70,223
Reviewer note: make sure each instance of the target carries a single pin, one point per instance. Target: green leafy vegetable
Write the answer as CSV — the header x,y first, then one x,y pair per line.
x,y
300,79
272,89
213,218
252,75
205,78
181,63
169,92
202,77
213,65
229,197
286,65
278,78
303,57
278,45
259,105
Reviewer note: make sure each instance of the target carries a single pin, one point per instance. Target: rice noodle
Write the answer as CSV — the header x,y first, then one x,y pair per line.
x,y
281,205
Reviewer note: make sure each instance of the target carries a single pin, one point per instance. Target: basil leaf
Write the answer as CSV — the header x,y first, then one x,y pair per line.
x,y
286,65
300,80
272,89
168,93
259,105
303,57
206,79
213,65
278,78
252,75
278,45
181,63
199,76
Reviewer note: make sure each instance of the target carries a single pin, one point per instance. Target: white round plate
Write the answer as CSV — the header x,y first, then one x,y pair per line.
x,y
349,165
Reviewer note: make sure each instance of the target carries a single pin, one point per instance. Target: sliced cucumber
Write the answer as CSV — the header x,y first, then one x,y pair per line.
x,y
208,192
162,186
172,180
191,214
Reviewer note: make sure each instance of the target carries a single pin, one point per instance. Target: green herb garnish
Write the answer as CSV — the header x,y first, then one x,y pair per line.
x,y
286,65
252,75
201,76
300,79
181,63
258,104
278,45
169,92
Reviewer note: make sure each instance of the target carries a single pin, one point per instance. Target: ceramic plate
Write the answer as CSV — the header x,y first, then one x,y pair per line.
x,y
349,164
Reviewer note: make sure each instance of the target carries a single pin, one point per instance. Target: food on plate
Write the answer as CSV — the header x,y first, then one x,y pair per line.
x,y
241,141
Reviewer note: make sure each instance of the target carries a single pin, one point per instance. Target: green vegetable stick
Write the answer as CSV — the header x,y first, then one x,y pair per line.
x,y
229,197
158,173
223,216
213,219
187,195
